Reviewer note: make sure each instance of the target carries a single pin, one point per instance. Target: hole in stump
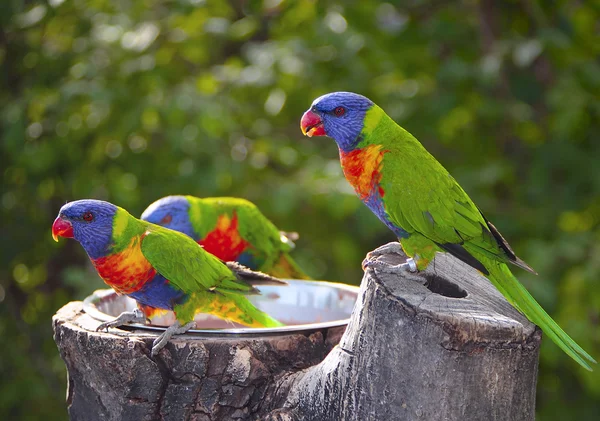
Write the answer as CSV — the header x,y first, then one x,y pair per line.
x,y
444,287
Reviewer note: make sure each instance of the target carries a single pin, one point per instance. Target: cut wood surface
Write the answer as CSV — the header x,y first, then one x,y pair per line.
x,y
442,344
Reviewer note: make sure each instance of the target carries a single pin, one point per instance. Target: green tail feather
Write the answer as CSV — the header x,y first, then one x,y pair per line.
x,y
519,297
249,315
268,321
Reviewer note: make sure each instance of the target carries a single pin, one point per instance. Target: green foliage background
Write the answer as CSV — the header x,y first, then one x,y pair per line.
x,y
129,101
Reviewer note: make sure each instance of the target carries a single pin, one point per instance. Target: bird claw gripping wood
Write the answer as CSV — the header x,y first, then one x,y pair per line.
x,y
393,247
127,317
409,266
175,329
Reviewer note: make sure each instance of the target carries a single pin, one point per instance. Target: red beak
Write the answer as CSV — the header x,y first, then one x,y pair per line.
x,y
61,228
312,125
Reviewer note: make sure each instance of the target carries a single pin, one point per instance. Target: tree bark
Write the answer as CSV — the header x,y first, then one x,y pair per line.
x,y
442,344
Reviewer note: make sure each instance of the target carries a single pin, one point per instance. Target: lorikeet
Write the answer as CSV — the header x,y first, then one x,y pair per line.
x,y
232,229
161,269
415,197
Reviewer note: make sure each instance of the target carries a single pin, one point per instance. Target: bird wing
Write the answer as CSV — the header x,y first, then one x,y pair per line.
x,y
187,265
435,205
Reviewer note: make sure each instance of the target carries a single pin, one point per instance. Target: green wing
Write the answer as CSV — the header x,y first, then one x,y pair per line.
x,y
432,203
186,265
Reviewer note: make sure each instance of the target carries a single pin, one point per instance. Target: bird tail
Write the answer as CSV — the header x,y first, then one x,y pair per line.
x,y
287,268
239,309
519,297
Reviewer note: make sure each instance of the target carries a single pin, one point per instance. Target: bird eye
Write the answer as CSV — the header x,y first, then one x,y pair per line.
x,y
166,219
339,111
88,217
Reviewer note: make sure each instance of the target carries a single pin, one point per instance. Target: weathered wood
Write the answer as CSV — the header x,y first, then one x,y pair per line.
x,y
438,345
112,376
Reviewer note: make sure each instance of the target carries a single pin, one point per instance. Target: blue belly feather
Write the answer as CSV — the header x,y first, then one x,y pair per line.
x,y
159,293
375,202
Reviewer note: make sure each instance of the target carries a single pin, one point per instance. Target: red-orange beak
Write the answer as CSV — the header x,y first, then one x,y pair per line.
x,y
61,228
312,125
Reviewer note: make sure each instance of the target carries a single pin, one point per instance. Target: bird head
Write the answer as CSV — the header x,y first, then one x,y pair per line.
x,y
88,221
339,115
171,212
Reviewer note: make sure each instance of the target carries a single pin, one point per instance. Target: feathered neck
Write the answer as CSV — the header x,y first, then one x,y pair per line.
x,y
124,228
375,127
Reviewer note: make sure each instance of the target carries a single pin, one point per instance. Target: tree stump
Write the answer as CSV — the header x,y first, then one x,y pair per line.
x,y
442,344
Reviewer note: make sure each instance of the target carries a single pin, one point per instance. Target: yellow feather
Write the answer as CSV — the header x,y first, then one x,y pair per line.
x,y
372,119
120,222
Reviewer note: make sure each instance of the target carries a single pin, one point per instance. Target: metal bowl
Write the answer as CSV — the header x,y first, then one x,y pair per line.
x,y
301,305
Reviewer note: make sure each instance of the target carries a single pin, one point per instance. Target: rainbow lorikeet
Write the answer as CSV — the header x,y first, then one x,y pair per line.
x,y
161,269
415,197
232,229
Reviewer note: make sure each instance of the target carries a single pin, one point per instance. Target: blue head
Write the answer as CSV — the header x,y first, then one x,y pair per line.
x,y
339,115
88,221
171,212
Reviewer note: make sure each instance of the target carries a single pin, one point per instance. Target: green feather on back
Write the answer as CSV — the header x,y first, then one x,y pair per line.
x,y
177,258
422,197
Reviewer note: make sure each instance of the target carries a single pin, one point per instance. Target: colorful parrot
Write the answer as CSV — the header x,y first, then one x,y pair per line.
x,y
415,197
232,229
161,269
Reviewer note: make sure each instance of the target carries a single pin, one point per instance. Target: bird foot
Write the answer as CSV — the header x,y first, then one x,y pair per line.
x,y
393,247
175,329
127,317
409,266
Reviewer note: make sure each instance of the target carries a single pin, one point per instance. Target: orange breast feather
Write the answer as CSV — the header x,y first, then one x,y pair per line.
x,y
362,168
126,271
